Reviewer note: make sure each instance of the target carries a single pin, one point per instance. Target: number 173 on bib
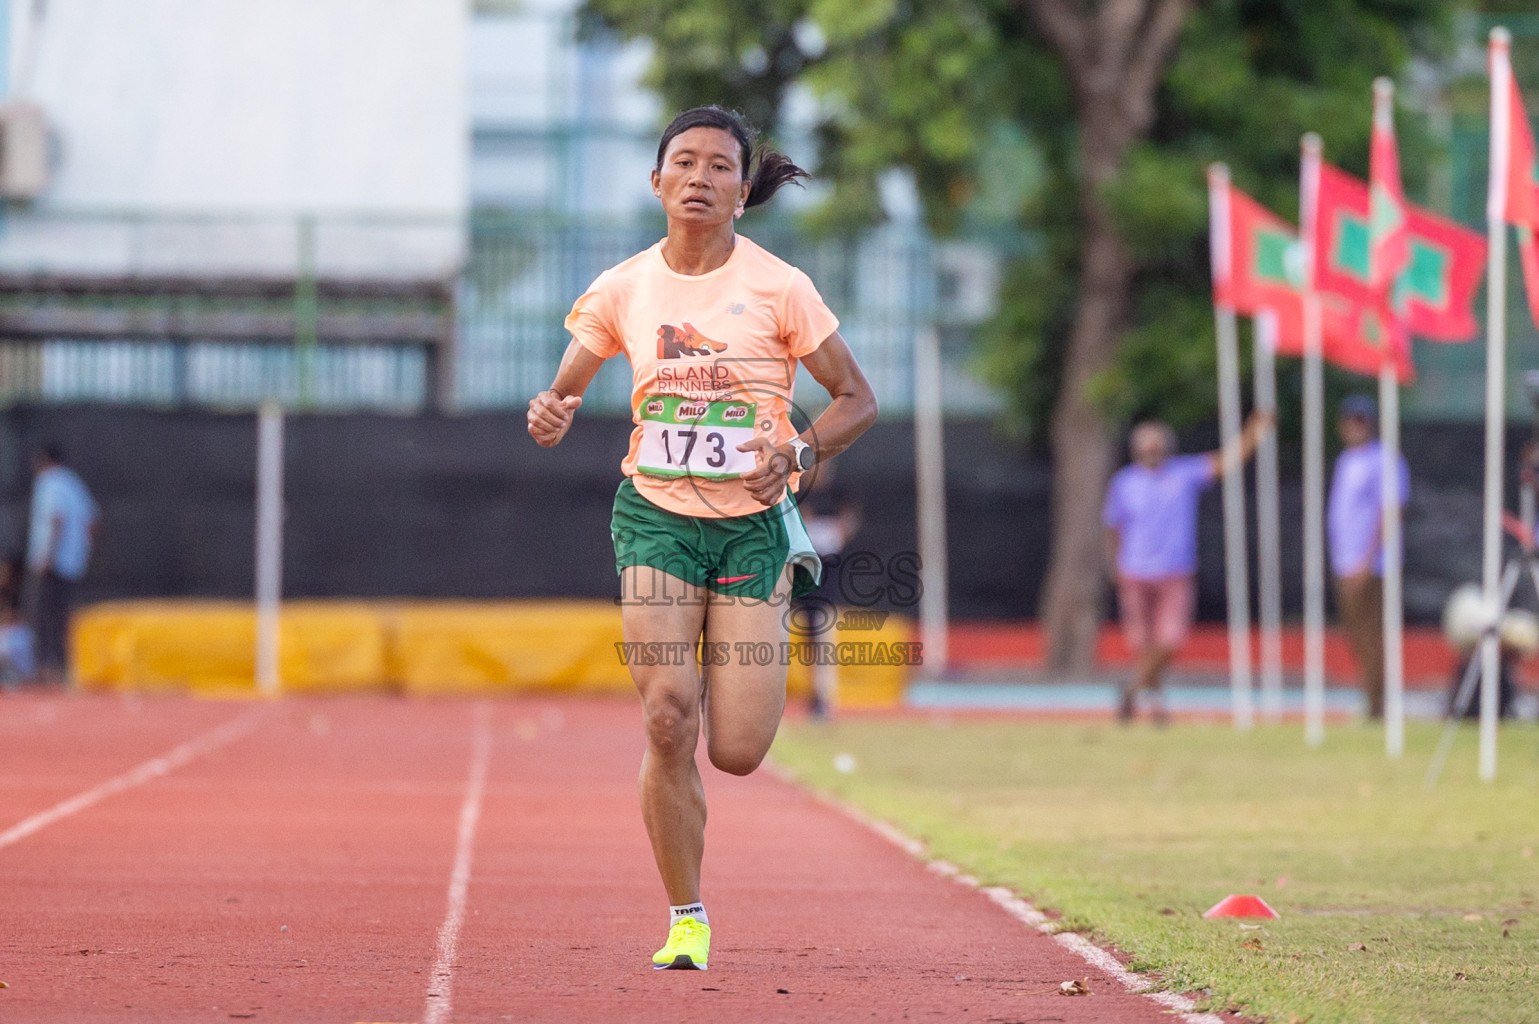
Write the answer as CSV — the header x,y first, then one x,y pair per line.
x,y
689,437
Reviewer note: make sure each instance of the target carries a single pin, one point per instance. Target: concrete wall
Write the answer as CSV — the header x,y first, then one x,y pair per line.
x,y
432,506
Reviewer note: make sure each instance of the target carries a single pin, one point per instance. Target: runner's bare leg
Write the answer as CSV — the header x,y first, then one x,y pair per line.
x,y
743,703
672,797
744,700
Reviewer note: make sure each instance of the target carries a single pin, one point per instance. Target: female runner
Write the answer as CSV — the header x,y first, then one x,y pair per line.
x,y
708,544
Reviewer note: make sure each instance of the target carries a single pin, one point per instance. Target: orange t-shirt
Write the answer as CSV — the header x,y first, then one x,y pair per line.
x,y
713,362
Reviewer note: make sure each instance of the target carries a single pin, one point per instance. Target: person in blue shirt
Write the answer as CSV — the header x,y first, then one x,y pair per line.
x,y
1353,515
1150,520
60,535
16,661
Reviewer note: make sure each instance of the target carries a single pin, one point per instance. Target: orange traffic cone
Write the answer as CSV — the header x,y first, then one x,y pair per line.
x,y
1241,906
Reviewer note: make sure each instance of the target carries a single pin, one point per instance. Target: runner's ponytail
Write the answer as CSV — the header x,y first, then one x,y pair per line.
x,y
773,170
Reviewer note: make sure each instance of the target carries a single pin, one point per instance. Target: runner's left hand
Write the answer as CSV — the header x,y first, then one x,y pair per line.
x,y
767,480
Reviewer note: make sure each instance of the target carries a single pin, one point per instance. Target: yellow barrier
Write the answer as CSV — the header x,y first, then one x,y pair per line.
x,y
493,648
208,647
418,647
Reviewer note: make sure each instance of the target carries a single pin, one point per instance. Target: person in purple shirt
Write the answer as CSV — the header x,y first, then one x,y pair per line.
x,y
1353,519
1150,518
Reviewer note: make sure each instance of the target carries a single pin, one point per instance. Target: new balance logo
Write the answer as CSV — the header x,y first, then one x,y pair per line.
x,y
737,308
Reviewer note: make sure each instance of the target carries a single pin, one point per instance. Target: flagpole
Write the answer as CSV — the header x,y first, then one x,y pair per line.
x,y
1268,521
1389,496
1394,608
1236,583
1496,392
930,485
1314,455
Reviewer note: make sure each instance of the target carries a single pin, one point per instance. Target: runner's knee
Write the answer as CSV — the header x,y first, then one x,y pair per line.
x,y
736,758
672,722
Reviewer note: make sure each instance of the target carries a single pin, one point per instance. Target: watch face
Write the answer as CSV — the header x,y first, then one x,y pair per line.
x,y
805,457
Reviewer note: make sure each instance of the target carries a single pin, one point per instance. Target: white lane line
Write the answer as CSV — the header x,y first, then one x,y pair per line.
x,y
1011,903
149,770
440,986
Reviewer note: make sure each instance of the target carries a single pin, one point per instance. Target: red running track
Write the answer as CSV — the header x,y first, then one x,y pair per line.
x,y
296,861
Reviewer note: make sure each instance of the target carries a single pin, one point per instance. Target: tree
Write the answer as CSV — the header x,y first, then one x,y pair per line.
x,y
1114,58
1108,111
741,55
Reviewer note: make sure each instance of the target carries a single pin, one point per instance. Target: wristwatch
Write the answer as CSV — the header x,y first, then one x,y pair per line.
x,y
803,454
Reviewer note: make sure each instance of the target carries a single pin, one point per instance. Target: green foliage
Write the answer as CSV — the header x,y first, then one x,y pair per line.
x,y
740,54
1247,80
969,98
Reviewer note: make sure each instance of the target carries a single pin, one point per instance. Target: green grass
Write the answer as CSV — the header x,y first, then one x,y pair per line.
x,y
1132,833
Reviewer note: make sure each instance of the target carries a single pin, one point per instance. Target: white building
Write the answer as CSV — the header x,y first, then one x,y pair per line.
x,y
191,137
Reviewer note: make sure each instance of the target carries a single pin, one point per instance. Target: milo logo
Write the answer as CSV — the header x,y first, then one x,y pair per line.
x,y
691,411
655,407
734,413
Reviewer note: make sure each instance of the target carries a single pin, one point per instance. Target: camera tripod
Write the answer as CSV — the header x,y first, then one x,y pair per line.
x,y
1527,558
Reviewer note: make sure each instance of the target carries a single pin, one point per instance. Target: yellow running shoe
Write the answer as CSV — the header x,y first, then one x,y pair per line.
x,y
689,946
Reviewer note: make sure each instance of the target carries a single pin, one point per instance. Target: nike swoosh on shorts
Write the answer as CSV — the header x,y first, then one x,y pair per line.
x,y
735,579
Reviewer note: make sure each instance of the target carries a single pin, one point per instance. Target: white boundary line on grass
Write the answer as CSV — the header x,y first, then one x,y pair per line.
x,y
152,769
1016,907
440,986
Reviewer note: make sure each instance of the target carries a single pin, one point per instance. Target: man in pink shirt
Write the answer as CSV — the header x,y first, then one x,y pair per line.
x,y
1150,517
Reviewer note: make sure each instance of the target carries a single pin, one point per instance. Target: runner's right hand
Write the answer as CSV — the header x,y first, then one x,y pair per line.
x,y
550,416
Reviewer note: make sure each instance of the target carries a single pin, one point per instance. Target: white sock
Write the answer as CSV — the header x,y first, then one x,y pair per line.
x,y
694,910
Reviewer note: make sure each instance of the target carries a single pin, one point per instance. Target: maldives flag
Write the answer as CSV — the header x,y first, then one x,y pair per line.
x,y
1522,162
1362,338
1434,292
1264,258
1344,278
1528,254
1341,257
1351,337
1389,247
1523,190
1266,272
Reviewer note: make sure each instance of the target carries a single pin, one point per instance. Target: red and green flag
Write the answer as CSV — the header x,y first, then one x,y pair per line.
x,y
1351,337
1437,287
1523,191
1266,272
1434,291
1342,253
1522,163
1361,338
1344,275
1389,240
1264,258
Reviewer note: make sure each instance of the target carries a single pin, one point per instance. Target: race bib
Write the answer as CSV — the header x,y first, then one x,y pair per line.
x,y
688,437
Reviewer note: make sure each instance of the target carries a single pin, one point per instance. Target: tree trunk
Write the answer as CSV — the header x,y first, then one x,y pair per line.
x,y
1115,52
1083,445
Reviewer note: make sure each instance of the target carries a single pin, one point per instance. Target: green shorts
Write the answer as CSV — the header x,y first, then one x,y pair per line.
x,y
743,555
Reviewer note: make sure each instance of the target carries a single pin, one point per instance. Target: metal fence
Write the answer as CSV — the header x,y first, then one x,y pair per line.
x,y
337,312
227,314
523,278
212,375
